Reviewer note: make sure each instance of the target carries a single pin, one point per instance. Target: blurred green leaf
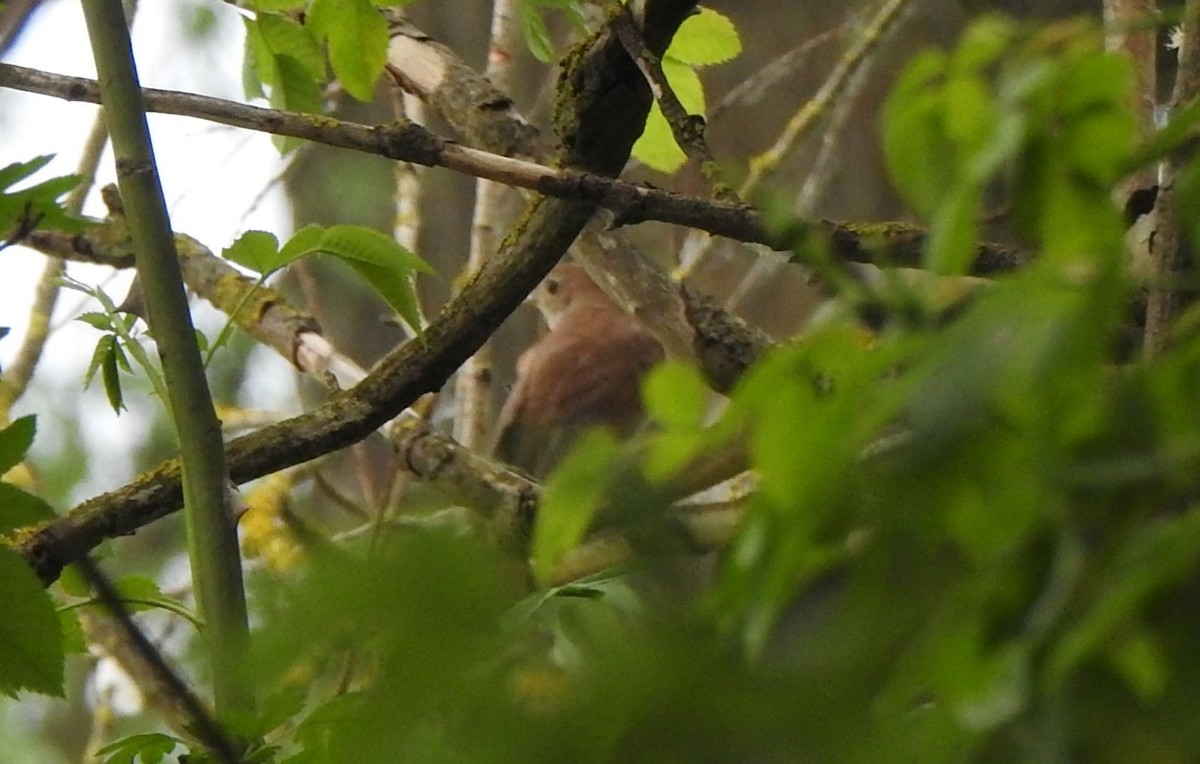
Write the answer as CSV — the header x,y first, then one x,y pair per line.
x,y
676,399
15,440
274,6
19,509
955,235
74,642
31,654
1141,662
147,748
36,206
571,498
18,171
533,28
676,396
1147,561
914,139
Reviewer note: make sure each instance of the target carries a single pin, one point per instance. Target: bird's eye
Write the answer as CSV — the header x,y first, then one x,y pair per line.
x,y
551,286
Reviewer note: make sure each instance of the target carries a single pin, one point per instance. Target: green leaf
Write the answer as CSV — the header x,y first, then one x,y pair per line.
x,y
201,341
704,38
274,6
31,654
73,582
74,643
1006,138
13,173
49,190
36,206
533,28
573,493
1097,82
677,399
955,229
97,320
971,118
915,143
256,250
984,41
358,243
15,441
283,56
110,373
258,65
686,86
656,148
676,396
139,593
396,290
385,264
297,89
287,40
148,748
19,508
1099,144
1001,689
357,38
306,241
1148,561
1139,658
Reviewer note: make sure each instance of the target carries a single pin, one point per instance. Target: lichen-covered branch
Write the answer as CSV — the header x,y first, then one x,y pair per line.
x,y
530,251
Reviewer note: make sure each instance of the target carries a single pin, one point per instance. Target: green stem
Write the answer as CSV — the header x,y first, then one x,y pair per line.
x,y
227,328
212,534
163,604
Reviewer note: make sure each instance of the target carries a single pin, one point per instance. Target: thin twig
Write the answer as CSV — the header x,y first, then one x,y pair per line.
x,y
755,87
763,165
815,184
473,383
867,43
633,203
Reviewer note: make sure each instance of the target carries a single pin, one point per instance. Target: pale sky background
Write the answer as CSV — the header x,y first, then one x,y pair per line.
x,y
212,177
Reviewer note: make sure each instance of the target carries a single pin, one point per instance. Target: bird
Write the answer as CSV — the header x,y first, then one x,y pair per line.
x,y
585,371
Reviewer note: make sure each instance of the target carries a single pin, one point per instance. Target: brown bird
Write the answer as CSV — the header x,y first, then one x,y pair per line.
x,y
587,370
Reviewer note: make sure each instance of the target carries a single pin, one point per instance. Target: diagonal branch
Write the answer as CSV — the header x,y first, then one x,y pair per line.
x,y
600,86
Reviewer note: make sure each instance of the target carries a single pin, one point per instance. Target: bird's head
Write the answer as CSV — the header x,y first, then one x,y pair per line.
x,y
567,286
